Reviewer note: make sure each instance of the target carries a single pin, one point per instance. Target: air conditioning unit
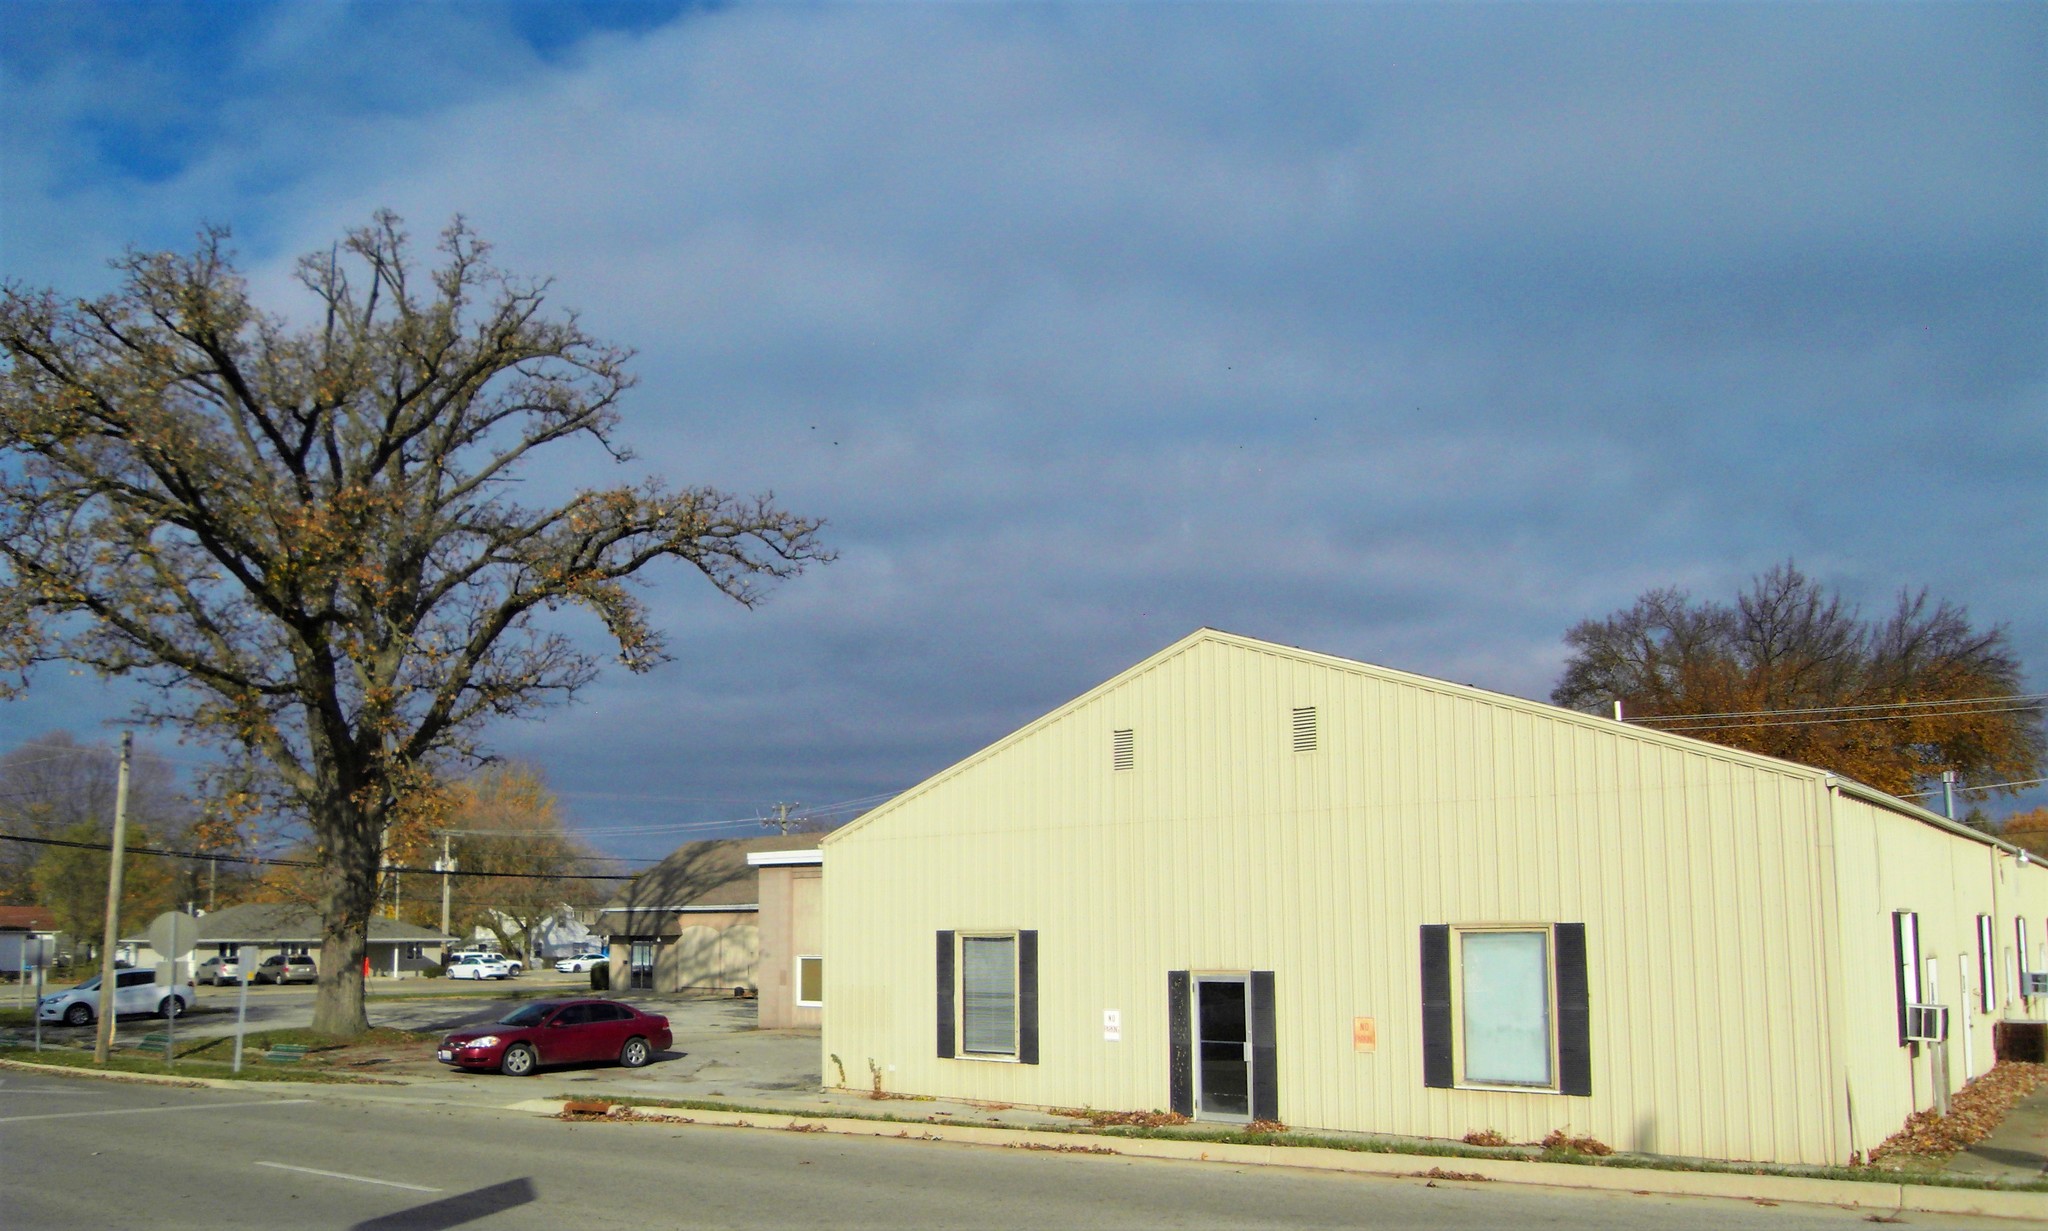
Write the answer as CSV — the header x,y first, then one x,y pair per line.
x,y
2034,983
1926,1023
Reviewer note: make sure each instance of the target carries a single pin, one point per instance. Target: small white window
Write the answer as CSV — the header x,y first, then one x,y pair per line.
x,y
1504,995
1122,751
810,981
1987,991
988,995
2019,931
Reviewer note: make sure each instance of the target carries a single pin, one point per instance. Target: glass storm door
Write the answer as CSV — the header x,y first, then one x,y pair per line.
x,y
1223,1048
641,968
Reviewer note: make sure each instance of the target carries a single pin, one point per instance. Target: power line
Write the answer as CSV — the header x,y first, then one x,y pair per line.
x,y
1812,722
1986,786
2033,697
211,857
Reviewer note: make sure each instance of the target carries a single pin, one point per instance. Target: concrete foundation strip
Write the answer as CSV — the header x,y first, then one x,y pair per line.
x,y
1852,1194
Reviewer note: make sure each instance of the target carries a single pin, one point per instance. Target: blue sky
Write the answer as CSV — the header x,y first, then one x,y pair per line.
x,y
1411,333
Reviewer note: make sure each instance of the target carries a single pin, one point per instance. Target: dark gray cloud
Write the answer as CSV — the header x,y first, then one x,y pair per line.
x,y
1414,333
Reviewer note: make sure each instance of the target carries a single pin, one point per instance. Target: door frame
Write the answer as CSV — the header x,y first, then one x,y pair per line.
x,y
634,969
1243,979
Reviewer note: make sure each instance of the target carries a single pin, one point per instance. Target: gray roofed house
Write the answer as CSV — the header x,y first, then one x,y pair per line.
x,y
690,921
255,930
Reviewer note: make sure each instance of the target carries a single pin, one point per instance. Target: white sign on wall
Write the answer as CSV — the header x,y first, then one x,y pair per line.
x,y
1112,1026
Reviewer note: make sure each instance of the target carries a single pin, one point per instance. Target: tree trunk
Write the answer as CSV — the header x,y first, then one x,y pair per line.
x,y
350,890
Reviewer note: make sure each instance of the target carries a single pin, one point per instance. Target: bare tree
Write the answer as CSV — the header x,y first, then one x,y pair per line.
x,y
305,539
55,786
1792,670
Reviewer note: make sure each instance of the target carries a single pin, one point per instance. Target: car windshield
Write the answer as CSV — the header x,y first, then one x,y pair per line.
x,y
88,985
530,1015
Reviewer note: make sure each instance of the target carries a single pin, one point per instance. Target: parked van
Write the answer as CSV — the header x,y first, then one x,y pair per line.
x,y
135,991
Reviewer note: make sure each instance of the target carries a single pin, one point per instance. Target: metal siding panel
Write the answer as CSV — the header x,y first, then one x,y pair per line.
x,y
1421,805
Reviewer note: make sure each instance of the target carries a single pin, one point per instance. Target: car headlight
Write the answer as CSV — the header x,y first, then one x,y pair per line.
x,y
489,1040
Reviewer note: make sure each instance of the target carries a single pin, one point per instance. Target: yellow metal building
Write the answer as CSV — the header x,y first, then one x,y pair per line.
x,y
1256,883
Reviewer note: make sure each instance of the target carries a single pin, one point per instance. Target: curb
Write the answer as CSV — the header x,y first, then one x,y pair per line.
x,y
1849,1194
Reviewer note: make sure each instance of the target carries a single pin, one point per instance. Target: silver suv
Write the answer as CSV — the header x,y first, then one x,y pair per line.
x,y
287,968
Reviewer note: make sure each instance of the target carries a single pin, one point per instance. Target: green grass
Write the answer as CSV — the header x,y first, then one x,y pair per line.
x,y
11,1016
253,1067
214,1056
1372,1145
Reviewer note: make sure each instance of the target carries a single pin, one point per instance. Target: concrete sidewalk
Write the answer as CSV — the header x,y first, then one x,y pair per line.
x,y
2016,1150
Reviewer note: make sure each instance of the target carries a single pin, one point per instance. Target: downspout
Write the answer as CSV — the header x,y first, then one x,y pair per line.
x,y
1843,1118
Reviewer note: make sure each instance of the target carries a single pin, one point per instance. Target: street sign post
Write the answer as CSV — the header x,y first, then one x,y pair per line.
x,y
172,934
241,1016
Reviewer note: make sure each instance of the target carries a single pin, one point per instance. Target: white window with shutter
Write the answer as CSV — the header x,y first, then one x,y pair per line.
x,y
988,995
2019,932
1906,968
1987,991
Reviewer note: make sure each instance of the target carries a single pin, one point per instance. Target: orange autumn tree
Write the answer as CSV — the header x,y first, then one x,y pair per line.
x,y
2028,829
1792,670
305,540
503,821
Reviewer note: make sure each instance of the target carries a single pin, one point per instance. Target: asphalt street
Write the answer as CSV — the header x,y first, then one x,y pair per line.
x,y
86,1153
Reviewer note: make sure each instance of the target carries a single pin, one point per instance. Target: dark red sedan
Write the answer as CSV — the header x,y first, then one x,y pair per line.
x,y
559,1032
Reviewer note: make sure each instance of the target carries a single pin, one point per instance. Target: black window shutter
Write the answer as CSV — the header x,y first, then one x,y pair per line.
x,y
1265,1049
945,956
1027,997
1436,1005
1899,968
1574,1015
1180,1045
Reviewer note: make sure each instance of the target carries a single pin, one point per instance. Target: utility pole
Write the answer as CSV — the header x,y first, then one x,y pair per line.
x,y
444,865
109,1004
781,821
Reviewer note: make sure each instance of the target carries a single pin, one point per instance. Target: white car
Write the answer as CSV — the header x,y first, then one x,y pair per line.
x,y
135,991
478,966
580,963
489,955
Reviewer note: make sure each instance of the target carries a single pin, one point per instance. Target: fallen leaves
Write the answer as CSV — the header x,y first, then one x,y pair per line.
x,y
1560,1140
1973,1112
1131,1119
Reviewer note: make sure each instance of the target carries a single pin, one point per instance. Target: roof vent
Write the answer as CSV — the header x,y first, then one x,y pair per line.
x,y
1121,755
1304,728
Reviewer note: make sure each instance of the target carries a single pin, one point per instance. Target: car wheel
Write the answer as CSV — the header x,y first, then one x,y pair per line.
x,y
173,1006
635,1053
518,1062
77,1015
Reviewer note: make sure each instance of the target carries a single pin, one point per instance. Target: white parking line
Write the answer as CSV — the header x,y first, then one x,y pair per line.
x,y
145,1111
342,1175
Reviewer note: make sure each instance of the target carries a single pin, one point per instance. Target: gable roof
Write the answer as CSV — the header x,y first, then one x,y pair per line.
x,y
1541,709
274,922
703,874
26,919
